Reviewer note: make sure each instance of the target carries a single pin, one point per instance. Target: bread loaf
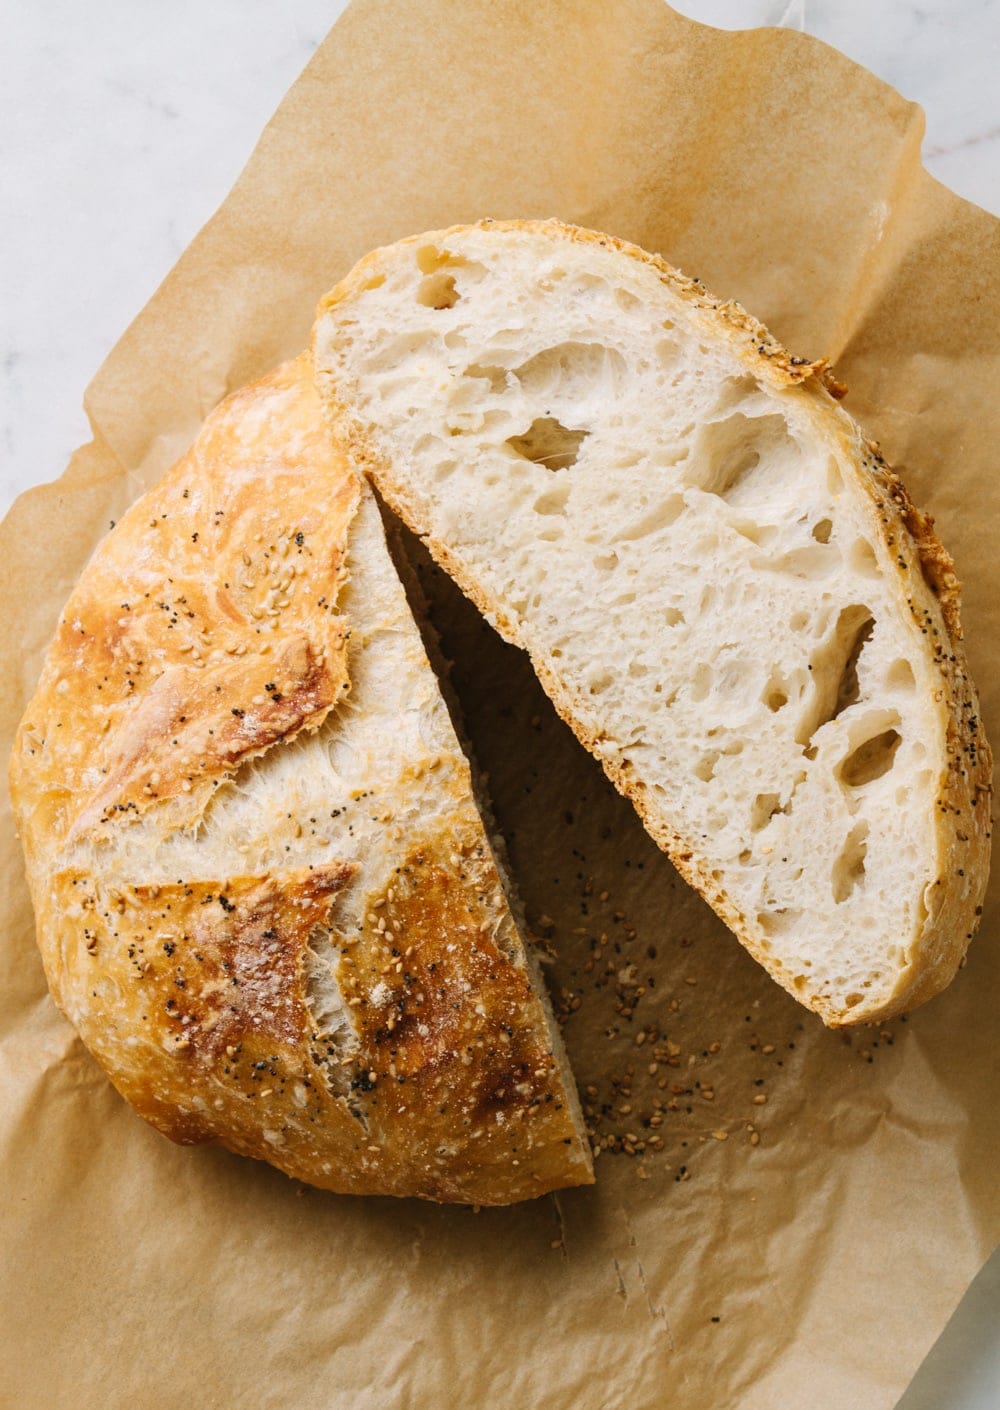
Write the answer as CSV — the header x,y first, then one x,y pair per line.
x,y
264,894
724,589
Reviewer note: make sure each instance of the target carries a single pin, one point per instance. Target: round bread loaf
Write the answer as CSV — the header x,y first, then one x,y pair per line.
x,y
265,896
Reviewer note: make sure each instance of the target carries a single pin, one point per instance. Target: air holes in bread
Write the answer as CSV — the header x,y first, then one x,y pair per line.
x,y
701,683
835,670
871,760
779,922
900,676
848,689
430,259
821,532
673,616
571,373
438,291
705,767
496,376
733,394
765,805
725,464
667,353
813,560
437,288
554,502
759,534
727,454
849,868
862,560
659,516
548,442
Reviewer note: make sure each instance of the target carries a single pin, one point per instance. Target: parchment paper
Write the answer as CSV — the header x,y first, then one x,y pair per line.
x,y
799,1251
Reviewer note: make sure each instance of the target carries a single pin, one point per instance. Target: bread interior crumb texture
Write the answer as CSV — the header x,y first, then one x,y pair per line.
x,y
684,547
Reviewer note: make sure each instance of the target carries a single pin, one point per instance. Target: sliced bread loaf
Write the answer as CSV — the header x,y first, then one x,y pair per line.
x,y
724,589
264,894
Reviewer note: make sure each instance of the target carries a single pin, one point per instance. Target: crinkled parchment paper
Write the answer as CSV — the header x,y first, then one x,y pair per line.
x,y
798,1251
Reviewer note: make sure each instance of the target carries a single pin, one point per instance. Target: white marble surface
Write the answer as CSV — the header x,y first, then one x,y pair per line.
x,y
943,54
123,125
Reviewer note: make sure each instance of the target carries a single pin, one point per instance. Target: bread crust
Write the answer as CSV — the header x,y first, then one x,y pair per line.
x,y
926,582
188,648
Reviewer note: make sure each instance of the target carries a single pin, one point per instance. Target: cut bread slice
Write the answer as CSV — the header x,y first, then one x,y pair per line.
x,y
723,588
270,906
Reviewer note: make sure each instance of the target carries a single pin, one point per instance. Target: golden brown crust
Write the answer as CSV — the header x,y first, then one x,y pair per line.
x,y
448,1024
962,809
180,989
186,734
204,632
194,997
927,583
